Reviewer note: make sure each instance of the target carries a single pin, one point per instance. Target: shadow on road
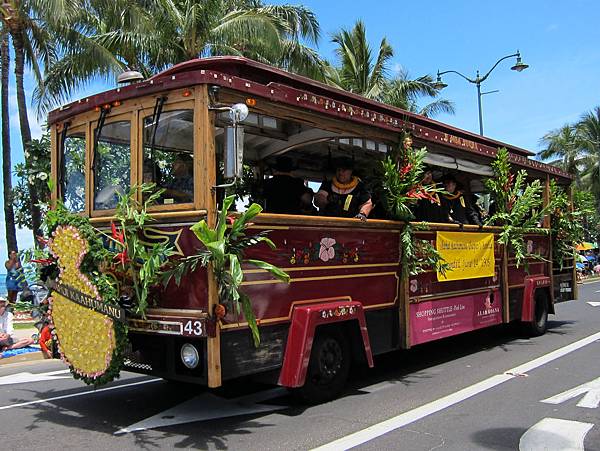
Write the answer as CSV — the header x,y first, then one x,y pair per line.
x,y
498,438
108,411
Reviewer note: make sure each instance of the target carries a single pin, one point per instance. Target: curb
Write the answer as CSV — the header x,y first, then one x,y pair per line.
x,y
586,282
29,357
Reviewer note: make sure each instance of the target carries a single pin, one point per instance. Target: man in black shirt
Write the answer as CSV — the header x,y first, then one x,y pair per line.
x,y
283,192
455,206
345,196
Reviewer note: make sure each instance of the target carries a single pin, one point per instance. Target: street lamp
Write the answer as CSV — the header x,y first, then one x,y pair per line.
x,y
519,66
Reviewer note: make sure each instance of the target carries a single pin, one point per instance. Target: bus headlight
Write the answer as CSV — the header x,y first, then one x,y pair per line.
x,y
190,356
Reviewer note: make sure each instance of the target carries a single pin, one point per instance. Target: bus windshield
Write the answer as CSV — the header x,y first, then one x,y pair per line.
x,y
168,155
112,164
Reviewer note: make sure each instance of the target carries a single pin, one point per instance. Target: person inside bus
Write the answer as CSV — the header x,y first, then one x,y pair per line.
x,y
430,210
479,211
306,202
456,207
283,192
151,173
345,195
180,184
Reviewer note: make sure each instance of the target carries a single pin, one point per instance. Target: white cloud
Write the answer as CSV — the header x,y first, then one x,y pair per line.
x,y
397,68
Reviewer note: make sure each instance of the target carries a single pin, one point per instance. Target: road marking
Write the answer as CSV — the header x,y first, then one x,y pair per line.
x,y
26,377
379,429
552,434
209,407
73,395
595,304
591,400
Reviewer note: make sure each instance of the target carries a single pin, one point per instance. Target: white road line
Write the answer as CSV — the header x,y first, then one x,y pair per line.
x,y
379,429
590,390
594,304
73,395
28,378
552,434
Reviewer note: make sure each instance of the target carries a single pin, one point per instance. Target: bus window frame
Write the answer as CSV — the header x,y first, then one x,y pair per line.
x,y
349,130
132,117
174,105
73,129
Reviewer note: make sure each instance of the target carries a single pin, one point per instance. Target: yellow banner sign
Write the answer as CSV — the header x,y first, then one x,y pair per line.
x,y
470,255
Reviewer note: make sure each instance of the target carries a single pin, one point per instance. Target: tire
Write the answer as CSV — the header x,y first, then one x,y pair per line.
x,y
328,368
539,325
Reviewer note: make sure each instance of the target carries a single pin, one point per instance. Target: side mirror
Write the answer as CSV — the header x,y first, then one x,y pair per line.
x,y
234,151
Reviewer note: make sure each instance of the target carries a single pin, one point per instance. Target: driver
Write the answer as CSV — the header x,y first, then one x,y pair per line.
x,y
180,185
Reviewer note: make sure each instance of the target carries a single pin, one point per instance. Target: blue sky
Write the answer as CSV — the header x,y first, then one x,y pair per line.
x,y
558,39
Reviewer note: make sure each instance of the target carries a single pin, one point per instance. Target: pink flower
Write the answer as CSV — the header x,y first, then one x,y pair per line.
x,y
327,252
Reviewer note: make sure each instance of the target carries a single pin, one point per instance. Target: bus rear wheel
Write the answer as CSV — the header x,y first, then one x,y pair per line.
x,y
539,325
328,368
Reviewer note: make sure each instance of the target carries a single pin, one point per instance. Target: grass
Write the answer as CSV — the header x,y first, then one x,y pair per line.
x,y
23,325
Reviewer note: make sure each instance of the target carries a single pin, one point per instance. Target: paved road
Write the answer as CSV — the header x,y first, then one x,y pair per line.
x,y
490,389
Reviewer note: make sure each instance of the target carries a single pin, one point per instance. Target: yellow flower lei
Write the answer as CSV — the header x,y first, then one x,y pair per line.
x,y
345,186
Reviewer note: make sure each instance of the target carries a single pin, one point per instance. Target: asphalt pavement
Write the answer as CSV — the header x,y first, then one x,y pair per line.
x,y
490,389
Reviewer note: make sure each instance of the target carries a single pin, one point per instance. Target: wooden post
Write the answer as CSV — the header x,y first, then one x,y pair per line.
x,y
54,164
504,286
137,158
204,179
89,157
548,225
575,291
403,299
546,201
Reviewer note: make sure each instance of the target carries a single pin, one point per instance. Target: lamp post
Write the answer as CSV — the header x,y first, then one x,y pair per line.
x,y
519,66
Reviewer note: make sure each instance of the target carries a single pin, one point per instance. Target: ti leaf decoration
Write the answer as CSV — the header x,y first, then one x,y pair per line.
x,y
224,248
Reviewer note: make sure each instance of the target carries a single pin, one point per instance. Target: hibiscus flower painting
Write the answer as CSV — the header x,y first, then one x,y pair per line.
x,y
324,250
327,251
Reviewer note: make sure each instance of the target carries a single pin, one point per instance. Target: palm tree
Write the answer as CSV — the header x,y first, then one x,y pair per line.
x,y
149,36
99,38
367,74
9,214
30,38
564,146
588,129
360,71
403,92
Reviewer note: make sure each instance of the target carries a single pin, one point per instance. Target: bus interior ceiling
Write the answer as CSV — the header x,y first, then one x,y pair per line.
x,y
311,149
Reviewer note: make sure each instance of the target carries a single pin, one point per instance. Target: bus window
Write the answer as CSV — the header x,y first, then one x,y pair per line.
x,y
168,155
112,163
72,173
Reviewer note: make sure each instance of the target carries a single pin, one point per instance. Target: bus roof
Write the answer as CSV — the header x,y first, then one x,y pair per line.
x,y
262,80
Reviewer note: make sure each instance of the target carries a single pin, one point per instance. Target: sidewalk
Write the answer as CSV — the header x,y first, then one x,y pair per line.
x,y
18,334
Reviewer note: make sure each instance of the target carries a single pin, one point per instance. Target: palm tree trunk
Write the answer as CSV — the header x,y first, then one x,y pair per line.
x,y
25,130
9,213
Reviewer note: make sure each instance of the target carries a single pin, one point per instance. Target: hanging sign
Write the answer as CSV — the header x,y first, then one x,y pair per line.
x,y
470,255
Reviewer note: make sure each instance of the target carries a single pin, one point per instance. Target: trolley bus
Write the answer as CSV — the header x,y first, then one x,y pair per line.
x,y
342,306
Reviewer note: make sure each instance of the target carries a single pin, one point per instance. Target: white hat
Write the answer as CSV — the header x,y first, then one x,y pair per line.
x,y
3,299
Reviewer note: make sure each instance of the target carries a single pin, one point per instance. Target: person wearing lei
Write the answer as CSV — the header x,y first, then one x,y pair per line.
x,y
456,208
346,195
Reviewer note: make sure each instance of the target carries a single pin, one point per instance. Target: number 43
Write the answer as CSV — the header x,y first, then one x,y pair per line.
x,y
193,327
